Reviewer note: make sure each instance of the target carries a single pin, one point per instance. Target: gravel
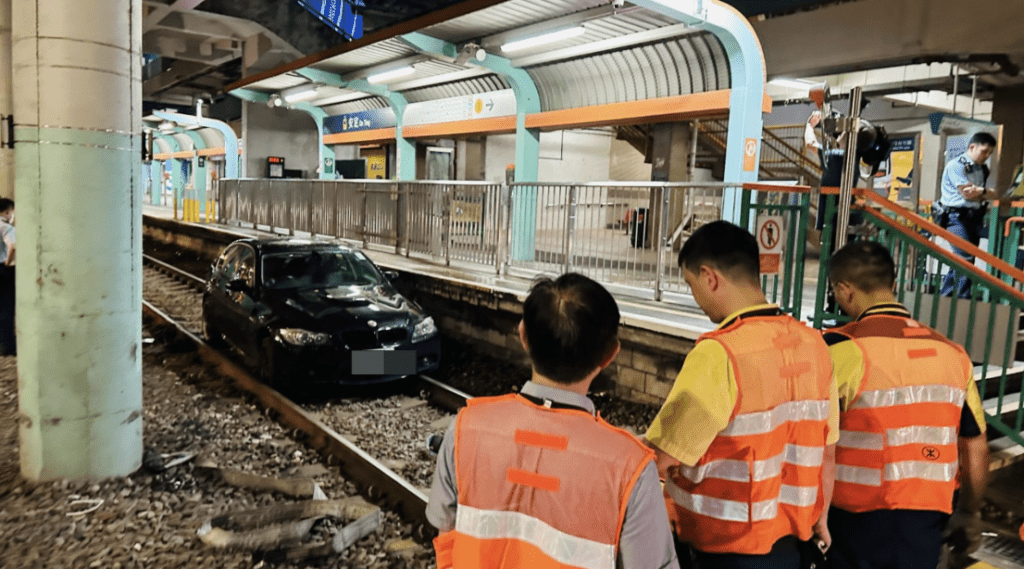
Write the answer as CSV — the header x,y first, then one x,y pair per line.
x,y
150,519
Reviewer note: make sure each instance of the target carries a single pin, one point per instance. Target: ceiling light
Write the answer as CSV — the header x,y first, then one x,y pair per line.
x,y
392,74
167,126
792,83
303,94
543,39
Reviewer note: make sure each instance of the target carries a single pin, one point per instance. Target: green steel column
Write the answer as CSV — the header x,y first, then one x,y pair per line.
x,y
198,172
6,100
177,183
156,176
79,281
405,149
524,205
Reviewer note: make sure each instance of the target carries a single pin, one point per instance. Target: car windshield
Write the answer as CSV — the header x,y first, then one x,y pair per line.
x,y
317,269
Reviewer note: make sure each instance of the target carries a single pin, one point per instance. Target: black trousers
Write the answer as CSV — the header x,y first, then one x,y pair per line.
x,y
785,554
8,345
885,539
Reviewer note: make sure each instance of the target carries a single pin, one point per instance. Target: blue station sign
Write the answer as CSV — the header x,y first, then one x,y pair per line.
x,y
340,15
362,120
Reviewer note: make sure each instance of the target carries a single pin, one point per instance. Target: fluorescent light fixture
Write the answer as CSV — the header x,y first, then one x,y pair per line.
x,y
303,95
543,39
391,74
792,83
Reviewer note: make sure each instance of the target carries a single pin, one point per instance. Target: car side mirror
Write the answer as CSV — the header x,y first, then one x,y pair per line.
x,y
237,285
391,275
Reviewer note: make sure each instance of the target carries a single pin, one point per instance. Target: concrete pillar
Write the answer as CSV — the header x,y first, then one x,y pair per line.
x,y
670,162
156,177
79,277
6,100
1008,110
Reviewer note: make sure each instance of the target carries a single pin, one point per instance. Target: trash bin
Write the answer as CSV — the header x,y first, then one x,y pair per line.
x,y
638,228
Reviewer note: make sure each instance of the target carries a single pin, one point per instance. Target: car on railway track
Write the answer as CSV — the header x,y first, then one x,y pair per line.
x,y
309,311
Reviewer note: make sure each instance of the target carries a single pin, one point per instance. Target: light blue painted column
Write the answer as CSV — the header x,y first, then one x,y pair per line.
x,y
198,172
78,158
746,63
230,140
156,176
177,182
327,157
405,149
524,211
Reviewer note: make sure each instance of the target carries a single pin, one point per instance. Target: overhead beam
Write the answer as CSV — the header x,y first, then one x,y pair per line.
x,y
440,16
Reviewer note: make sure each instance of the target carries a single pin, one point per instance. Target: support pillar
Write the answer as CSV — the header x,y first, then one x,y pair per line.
x,y
318,115
173,165
198,173
6,100
1008,110
670,162
746,93
156,177
79,279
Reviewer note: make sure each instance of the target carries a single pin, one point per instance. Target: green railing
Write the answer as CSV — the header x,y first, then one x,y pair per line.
x,y
793,203
986,324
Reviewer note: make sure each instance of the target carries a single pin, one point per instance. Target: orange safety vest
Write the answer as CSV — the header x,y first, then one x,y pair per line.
x,y
539,487
898,440
760,480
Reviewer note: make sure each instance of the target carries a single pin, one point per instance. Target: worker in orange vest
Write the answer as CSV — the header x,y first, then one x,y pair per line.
x,y
910,420
538,480
745,439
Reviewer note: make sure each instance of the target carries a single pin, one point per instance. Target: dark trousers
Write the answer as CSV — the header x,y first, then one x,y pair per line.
x,y
885,539
785,554
967,226
7,341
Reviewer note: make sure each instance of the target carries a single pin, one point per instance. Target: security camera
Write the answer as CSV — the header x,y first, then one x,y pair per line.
x,y
618,3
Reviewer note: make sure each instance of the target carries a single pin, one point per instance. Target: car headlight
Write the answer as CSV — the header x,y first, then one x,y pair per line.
x,y
423,329
300,337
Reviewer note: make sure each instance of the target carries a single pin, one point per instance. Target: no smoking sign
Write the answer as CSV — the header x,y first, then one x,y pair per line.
x,y
770,242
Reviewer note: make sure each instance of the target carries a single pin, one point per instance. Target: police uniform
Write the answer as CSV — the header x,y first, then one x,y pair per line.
x,y
748,418
538,480
966,218
907,394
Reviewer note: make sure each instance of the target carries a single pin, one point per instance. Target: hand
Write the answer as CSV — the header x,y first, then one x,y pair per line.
x,y
963,532
823,537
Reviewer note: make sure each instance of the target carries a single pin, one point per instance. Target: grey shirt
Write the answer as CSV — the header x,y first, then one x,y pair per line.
x,y
646,538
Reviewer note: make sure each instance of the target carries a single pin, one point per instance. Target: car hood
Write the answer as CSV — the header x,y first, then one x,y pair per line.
x,y
344,306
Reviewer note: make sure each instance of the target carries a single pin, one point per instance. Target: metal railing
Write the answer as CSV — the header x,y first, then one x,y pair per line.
x,y
625,235
986,323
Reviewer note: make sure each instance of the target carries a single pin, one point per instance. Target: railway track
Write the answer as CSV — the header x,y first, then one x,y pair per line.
x,y
181,309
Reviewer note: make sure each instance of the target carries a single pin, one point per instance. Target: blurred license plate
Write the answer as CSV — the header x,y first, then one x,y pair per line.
x,y
383,362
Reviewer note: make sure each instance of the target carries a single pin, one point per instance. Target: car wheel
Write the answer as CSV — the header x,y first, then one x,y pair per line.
x,y
211,334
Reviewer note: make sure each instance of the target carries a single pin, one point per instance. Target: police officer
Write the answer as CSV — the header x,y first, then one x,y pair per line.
x,y
538,479
745,439
964,196
910,417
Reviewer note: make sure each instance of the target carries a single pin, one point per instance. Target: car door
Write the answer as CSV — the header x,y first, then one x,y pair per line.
x,y
240,304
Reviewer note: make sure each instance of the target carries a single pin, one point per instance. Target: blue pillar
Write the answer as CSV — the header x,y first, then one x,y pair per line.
x,y
327,171
746,63
405,149
198,172
156,176
174,166
524,212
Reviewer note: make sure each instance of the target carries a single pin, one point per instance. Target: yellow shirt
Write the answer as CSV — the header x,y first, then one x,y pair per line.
x,y
848,368
702,401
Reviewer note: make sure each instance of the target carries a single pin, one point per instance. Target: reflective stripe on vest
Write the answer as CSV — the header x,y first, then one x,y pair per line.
x,y
562,547
760,478
897,446
520,490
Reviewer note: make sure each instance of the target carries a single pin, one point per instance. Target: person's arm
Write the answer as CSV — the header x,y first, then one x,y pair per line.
x,y
973,472
828,481
646,538
444,494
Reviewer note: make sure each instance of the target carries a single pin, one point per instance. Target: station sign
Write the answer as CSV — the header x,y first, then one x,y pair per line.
x,y
479,106
340,15
955,124
362,120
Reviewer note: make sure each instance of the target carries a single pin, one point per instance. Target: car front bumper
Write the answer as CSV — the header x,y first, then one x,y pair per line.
x,y
334,364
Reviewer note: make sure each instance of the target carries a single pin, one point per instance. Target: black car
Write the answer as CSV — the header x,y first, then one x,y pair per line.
x,y
315,311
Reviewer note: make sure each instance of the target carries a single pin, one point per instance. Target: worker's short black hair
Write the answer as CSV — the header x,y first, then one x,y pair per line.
x,y
984,139
571,326
866,265
725,247
6,204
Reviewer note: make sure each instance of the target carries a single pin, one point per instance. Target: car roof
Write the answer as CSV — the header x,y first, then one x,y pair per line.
x,y
290,244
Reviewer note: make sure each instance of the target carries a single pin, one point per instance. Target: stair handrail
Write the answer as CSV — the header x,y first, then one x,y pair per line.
x,y
948,256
